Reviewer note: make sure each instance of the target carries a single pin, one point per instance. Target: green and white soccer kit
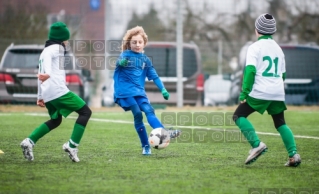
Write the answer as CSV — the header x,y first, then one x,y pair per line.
x,y
54,92
263,86
59,100
263,89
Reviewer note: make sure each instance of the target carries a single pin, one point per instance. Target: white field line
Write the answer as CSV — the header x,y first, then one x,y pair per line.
x,y
192,127
5,114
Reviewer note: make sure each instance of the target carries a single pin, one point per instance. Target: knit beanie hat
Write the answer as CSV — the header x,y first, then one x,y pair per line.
x,y
59,31
265,24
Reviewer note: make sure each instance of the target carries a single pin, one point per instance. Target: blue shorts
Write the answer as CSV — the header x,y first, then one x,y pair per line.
x,y
126,103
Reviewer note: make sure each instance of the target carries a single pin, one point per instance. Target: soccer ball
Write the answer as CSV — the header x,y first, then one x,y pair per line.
x,y
159,138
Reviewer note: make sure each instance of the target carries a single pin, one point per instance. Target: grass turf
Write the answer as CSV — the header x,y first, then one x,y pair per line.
x,y
111,159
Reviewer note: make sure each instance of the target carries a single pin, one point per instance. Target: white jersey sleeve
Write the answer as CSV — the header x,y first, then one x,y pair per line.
x,y
283,64
52,62
47,62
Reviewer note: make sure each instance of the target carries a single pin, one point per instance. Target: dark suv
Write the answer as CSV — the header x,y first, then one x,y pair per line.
x,y
163,56
18,75
302,75
302,81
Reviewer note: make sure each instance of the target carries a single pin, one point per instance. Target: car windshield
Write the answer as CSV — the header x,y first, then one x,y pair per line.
x,y
29,58
22,58
164,61
302,63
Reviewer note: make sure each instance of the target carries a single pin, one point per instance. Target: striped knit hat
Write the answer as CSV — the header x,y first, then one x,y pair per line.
x,y
265,24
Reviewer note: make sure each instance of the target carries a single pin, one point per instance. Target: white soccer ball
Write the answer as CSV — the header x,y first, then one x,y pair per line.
x,y
159,138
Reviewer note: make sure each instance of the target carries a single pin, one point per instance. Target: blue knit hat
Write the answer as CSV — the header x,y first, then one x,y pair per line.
x,y
265,24
59,31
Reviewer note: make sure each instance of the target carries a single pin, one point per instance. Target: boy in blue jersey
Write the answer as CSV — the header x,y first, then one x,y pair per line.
x,y
132,67
263,89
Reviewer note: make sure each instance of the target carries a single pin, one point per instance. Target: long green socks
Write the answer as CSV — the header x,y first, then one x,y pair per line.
x,y
43,129
288,139
248,131
39,132
76,136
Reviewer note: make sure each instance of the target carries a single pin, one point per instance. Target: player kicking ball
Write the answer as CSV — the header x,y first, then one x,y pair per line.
x,y
132,68
263,89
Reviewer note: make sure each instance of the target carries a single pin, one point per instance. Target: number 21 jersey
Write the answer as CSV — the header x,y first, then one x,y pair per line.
x,y
269,60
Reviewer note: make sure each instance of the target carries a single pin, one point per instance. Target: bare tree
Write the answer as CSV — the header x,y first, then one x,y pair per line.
x,y
152,25
23,22
295,23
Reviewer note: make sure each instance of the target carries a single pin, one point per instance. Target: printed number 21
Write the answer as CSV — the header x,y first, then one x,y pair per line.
x,y
266,72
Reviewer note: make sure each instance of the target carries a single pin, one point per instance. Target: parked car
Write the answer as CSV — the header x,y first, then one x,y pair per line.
x,y
18,75
235,87
108,94
302,75
163,57
216,90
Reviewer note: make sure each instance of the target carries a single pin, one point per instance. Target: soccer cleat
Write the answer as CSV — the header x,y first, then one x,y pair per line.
x,y
27,147
147,150
72,152
254,153
174,132
294,161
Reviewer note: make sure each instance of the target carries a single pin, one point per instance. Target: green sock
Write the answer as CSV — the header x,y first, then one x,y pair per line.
x,y
39,132
76,136
288,139
248,130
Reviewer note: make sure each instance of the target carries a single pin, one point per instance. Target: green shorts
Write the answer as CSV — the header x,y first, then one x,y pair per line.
x,y
64,105
272,107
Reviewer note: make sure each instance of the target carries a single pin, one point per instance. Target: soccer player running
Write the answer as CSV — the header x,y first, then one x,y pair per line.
x,y
132,68
263,89
55,96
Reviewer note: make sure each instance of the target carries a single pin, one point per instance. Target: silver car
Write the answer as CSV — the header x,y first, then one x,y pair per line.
x,y
18,75
216,90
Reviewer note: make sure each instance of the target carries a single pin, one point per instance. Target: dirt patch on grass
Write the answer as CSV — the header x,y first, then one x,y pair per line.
x,y
21,108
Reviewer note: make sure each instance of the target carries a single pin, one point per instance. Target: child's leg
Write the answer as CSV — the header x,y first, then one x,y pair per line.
x,y
150,115
45,128
285,133
139,125
28,143
79,126
240,115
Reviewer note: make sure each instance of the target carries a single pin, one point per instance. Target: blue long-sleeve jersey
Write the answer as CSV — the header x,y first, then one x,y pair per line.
x,y
129,80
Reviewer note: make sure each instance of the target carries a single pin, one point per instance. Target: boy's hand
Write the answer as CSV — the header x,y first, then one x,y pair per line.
x,y
165,94
242,97
40,103
42,77
242,101
123,62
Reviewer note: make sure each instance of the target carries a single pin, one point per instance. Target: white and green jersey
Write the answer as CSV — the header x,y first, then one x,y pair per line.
x,y
269,60
52,62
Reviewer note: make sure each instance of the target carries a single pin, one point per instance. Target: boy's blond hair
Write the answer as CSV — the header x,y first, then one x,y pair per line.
x,y
138,30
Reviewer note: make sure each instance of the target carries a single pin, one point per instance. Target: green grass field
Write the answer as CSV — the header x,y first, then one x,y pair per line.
x,y
111,159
